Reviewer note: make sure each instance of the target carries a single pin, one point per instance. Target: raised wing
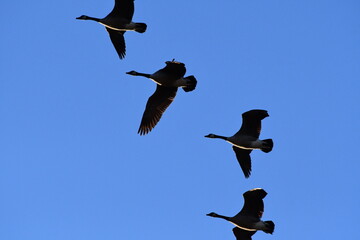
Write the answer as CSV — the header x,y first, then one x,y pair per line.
x,y
118,40
251,125
241,234
244,159
253,205
155,107
174,69
123,9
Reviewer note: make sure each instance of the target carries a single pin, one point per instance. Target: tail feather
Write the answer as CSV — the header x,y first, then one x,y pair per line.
x,y
268,145
140,27
191,83
270,227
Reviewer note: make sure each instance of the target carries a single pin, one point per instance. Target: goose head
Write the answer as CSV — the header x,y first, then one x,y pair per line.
x,y
134,73
83,17
210,135
212,214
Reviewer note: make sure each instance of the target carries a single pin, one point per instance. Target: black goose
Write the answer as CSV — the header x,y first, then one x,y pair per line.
x,y
117,22
247,139
248,220
168,80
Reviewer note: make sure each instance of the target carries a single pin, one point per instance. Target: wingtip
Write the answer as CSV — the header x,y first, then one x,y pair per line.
x,y
247,175
256,192
256,113
143,131
122,55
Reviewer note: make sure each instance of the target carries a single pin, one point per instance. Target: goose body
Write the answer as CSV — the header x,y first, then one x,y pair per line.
x,y
248,220
117,22
164,79
246,142
247,139
119,25
168,80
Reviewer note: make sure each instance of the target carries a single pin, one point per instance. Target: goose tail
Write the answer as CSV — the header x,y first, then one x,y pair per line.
x,y
190,83
140,27
270,227
268,145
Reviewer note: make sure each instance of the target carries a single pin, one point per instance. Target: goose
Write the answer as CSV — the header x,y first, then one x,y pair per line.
x,y
117,22
168,80
247,139
248,220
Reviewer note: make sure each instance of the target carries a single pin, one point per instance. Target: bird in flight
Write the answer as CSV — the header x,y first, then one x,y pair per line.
x,y
168,80
117,22
248,220
247,139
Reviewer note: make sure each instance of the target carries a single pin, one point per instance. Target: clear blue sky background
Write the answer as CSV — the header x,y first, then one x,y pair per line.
x,y
72,166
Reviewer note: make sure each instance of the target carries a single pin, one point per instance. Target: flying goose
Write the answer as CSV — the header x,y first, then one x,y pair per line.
x,y
247,139
248,220
117,22
168,80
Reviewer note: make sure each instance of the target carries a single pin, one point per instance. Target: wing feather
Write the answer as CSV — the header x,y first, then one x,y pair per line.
x,y
241,234
123,9
155,107
174,69
254,204
244,159
251,122
118,40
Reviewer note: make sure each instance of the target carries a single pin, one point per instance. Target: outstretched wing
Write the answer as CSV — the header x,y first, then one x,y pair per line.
x,y
244,159
118,40
253,205
251,125
155,107
123,9
241,234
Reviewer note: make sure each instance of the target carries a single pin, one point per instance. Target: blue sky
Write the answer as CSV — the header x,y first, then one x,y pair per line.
x,y
73,167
